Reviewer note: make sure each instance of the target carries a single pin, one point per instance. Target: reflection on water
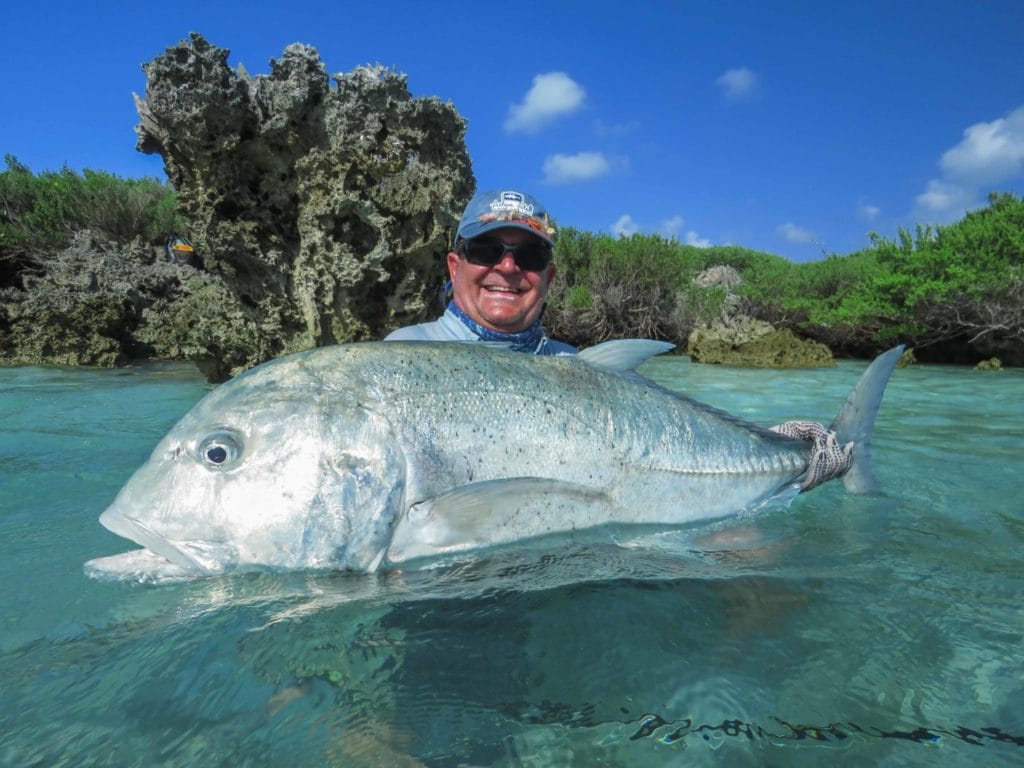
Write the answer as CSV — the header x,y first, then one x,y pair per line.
x,y
843,630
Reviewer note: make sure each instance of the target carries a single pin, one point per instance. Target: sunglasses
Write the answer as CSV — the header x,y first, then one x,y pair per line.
x,y
530,256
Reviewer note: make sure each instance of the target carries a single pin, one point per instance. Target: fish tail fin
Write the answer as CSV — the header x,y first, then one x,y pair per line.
x,y
856,419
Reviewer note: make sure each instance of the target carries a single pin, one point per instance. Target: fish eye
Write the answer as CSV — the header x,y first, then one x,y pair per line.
x,y
220,449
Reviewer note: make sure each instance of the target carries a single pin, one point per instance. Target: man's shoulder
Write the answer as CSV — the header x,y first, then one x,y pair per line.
x,y
420,332
442,329
448,327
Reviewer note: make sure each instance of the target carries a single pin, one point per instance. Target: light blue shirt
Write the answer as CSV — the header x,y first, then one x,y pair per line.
x,y
449,327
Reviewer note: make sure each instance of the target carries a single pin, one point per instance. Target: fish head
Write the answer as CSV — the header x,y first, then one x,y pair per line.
x,y
261,474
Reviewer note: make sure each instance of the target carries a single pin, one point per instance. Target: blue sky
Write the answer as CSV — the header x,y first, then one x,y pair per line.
x,y
790,127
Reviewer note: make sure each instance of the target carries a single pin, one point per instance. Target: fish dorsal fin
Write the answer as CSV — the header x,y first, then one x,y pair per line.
x,y
623,355
479,514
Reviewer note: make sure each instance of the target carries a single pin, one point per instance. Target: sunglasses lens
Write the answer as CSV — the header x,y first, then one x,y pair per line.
x,y
533,257
488,251
484,251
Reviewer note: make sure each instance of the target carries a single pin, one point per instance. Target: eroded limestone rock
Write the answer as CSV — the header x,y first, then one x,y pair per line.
x,y
322,212
992,364
907,359
85,305
748,343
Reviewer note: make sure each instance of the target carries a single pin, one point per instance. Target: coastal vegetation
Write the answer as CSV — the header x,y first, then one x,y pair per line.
x,y
955,293
40,213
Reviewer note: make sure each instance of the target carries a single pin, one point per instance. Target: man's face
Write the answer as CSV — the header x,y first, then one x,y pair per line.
x,y
503,297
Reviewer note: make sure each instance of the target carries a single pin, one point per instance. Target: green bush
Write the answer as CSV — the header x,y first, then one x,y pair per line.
x,y
39,213
961,281
926,286
639,286
124,209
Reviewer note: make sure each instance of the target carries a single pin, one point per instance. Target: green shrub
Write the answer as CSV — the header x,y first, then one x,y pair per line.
x,y
639,286
933,284
961,281
124,209
39,213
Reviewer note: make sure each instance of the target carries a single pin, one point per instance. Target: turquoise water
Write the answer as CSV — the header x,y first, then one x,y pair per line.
x,y
882,630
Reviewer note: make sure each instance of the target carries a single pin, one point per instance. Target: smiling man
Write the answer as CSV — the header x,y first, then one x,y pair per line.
x,y
500,268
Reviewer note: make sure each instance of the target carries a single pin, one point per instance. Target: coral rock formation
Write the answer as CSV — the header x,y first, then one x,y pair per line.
x,y
748,343
739,340
322,213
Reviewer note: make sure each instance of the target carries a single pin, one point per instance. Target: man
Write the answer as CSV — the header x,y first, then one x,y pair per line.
x,y
500,268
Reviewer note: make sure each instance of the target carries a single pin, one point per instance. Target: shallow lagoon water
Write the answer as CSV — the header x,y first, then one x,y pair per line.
x,y
882,630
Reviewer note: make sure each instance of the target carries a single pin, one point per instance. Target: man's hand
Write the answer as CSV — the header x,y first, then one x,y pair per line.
x,y
828,459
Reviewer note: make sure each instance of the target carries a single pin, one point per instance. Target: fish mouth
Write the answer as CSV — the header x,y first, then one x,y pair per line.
x,y
180,559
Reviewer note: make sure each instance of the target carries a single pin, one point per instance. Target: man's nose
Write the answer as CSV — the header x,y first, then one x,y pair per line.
x,y
507,263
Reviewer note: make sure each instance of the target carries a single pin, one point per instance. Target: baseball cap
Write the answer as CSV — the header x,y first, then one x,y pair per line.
x,y
494,210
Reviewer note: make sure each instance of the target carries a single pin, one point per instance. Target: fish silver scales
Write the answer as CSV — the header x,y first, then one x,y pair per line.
x,y
586,419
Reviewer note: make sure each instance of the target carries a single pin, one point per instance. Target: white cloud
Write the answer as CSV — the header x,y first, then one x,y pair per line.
x,y
693,239
868,212
563,169
989,154
672,225
624,226
944,199
738,83
795,234
552,95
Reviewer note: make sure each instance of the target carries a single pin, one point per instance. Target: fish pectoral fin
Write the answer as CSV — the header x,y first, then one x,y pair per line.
x,y
485,513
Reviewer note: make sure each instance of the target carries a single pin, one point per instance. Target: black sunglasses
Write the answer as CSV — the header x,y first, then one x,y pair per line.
x,y
530,255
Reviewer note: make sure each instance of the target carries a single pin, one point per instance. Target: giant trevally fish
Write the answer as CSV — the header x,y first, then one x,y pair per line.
x,y
370,455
